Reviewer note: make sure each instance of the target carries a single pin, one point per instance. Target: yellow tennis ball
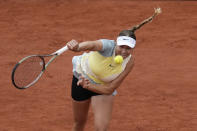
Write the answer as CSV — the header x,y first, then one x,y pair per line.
x,y
118,59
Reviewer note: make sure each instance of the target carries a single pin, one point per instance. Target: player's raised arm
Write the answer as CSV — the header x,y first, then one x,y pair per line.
x,y
85,46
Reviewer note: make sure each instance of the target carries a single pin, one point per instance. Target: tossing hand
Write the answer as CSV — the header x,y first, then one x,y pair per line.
x,y
84,82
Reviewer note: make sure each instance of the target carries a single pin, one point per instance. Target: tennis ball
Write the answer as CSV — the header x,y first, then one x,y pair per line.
x,y
118,59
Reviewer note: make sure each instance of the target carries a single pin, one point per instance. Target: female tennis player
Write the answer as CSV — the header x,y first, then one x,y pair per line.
x,y
96,77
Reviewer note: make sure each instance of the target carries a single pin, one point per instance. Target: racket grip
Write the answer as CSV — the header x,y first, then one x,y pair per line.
x,y
60,51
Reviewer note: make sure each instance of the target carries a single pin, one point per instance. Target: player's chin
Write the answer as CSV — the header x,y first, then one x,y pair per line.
x,y
124,56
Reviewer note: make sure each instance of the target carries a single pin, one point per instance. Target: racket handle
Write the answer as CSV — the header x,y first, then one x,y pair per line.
x,y
60,51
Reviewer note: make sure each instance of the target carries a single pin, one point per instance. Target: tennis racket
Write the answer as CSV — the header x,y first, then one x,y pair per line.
x,y
29,70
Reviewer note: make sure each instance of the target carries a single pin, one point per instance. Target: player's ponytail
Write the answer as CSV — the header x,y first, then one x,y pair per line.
x,y
131,32
157,11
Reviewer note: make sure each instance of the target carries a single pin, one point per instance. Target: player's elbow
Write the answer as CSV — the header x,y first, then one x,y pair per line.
x,y
109,91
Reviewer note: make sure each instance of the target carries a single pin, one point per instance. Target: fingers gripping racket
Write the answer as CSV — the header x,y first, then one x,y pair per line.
x,y
28,70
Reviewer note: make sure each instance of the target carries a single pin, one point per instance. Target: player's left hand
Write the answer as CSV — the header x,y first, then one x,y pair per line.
x,y
84,82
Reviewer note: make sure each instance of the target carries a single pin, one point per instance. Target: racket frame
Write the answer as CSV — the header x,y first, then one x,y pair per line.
x,y
45,65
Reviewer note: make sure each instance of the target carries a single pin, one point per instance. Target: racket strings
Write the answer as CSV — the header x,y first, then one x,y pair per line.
x,y
28,71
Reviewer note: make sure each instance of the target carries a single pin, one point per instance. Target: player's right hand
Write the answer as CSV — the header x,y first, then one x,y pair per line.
x,y
73,45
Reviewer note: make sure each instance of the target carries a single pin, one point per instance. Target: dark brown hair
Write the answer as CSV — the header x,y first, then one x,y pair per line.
x,y
131,32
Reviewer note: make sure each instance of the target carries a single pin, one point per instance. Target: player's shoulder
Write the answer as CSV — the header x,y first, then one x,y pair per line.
x,y
108,42
108,47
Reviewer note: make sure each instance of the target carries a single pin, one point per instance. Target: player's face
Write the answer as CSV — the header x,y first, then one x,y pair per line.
x,y
123,50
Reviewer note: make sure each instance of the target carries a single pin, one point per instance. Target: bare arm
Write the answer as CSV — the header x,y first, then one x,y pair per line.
x,y
109,87
85,46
